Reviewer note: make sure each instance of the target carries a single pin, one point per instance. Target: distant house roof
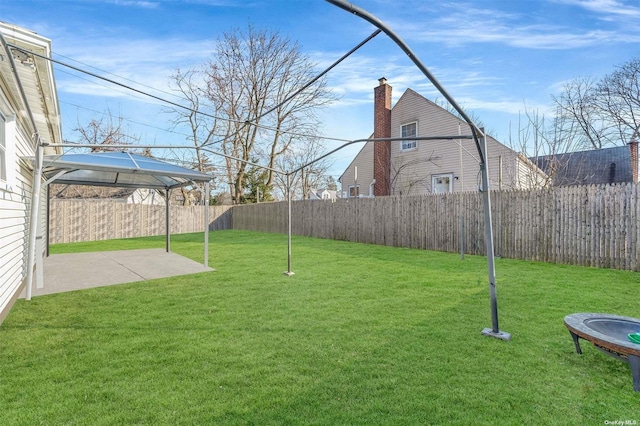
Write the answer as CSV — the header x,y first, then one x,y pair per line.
x,y
598,166
322,194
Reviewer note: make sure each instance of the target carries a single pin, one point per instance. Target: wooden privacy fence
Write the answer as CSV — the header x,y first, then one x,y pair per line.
x,y
580,225
74,220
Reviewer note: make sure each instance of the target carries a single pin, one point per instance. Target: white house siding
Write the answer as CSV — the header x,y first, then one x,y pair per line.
x,y
15,192
364,162
15,197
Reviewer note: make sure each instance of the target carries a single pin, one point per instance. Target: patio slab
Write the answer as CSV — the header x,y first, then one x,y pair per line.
x,y
77,271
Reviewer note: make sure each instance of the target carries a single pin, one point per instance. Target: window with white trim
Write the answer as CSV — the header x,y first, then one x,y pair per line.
x,y
354,191
409,130
3,149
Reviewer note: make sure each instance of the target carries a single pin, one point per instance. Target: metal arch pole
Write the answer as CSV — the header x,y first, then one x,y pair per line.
x,y
479,138
206,224
349,7
494,331
289,272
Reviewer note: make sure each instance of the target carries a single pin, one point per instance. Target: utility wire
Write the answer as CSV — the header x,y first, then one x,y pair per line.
x,y
244,123
119,76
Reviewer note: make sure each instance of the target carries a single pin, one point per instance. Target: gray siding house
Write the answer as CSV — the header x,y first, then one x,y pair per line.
x,y
434,166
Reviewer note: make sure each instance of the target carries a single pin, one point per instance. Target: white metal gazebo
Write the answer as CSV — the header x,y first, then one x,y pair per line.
x,y
113,169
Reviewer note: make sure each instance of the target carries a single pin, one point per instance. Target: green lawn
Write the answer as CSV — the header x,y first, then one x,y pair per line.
x,y
360,334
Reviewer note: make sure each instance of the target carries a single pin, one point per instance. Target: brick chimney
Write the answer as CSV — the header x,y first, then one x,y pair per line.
x,y
382,129
633,147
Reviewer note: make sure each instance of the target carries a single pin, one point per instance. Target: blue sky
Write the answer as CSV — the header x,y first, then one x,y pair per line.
x,y
495,57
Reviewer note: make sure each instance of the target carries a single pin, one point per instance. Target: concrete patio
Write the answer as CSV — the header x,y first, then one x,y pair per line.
x,y
77,271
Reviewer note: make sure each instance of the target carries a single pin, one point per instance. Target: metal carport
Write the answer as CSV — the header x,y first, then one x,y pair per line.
x,y
114,169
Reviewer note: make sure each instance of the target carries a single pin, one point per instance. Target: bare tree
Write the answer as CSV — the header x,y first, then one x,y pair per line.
x,y
403,180
602,113
249,87
203,129
105,131
312,176
549,144
582,122
618,97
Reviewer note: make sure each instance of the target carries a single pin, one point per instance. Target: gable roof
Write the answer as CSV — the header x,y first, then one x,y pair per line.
x,y
597,166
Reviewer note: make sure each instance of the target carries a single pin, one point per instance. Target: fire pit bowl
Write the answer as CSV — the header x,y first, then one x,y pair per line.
x,y
609,334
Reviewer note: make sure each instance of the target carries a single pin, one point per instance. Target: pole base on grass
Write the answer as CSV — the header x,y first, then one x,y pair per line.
x,y
502,335
288,273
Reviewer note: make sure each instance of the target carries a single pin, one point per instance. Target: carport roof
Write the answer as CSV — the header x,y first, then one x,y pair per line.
x,y
122,169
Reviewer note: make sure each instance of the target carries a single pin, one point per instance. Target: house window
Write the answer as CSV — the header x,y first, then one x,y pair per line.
x,y
354,191
3,150
442,183
409,130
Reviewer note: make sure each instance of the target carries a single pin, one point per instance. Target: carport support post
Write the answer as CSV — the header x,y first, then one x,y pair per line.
x,y
35,214
167,219
288,272
494,331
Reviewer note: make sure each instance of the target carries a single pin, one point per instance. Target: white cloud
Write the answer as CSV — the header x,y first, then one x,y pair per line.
x,y
144,64
136,3
607,8
457,24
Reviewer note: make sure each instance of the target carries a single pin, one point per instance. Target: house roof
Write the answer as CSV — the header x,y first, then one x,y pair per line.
x,y
35,76
121,169
598,166
316,194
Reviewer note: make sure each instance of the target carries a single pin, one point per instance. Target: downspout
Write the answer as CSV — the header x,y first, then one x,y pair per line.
x,y
371,188
48,195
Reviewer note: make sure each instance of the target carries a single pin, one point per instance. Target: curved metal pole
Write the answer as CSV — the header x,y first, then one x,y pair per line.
x,y
361,13
316,78
415,138
479,138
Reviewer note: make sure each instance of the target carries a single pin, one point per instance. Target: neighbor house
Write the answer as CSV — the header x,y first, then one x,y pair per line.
x,y
407,167
28,111
323,194
617,164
